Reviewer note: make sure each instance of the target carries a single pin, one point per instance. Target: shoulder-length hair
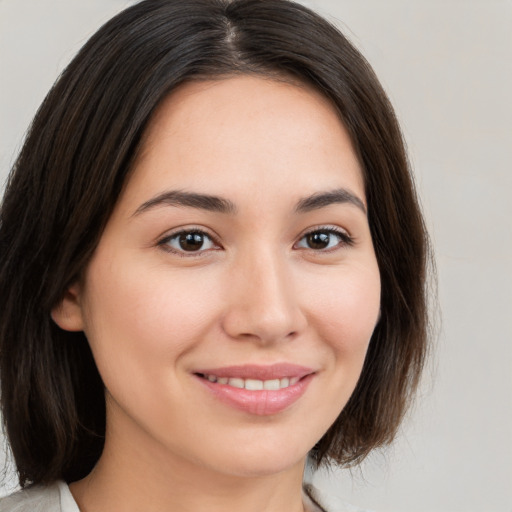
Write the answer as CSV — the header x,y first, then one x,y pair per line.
x,y
77,157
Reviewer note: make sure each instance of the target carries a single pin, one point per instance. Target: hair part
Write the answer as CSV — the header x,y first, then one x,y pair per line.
x,y
76,159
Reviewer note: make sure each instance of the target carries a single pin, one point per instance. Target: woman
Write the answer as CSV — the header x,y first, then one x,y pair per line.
x,y
212,266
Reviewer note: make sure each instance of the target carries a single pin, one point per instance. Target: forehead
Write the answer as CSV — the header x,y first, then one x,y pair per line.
x,y
254,131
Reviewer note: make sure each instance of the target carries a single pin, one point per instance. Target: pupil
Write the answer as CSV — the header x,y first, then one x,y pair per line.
x,y
318,240
191,241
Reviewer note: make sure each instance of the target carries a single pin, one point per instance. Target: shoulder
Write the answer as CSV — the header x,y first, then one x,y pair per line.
x,y
47,498
317,501
34,499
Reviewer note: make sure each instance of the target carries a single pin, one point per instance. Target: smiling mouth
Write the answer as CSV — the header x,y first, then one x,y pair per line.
x,y
252,384
259,390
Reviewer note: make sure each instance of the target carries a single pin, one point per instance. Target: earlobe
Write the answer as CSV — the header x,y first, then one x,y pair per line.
x,y
67,314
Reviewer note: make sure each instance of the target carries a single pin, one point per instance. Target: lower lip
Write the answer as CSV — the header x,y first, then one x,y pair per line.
x,y
259,403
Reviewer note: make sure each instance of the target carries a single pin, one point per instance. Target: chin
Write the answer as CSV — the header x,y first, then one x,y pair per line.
x,y
261,459
264,466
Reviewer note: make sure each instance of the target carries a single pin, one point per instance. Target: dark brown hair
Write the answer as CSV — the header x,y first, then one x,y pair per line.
x,y
72,167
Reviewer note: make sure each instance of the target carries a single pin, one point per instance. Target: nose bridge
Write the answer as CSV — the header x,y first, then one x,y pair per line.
x,y
262,302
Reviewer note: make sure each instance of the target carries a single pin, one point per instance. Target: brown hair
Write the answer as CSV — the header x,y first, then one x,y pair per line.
x,y
76,158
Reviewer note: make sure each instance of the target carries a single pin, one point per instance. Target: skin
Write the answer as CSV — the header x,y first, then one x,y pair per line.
x,y
255,292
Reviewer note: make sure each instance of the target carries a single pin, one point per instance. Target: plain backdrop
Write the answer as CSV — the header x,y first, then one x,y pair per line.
x,y
447,66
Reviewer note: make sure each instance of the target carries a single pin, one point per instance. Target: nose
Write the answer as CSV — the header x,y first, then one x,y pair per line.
x,y
263,304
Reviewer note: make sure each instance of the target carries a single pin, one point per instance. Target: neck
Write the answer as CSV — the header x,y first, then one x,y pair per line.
x,y
133,476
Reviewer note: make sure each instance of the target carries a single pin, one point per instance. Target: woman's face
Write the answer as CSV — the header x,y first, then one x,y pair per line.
x,y
238,258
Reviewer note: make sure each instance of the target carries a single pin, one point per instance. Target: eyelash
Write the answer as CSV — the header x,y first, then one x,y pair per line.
x,y
345,240
164,243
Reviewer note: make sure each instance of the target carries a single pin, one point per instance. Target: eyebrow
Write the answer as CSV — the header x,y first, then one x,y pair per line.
x,y
222,205
323,199
190,200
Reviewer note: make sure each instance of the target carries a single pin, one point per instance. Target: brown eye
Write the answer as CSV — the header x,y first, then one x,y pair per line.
x,y
318,240
189,241
323,239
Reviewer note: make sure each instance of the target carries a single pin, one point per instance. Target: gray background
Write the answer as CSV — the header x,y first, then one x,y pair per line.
x,y
447,66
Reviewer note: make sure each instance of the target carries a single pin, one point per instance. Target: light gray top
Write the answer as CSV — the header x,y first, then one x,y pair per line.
x,y
52,498
58,498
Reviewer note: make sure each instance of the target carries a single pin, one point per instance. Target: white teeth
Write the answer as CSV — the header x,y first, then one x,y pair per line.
x,y
236,383
272,385
254,384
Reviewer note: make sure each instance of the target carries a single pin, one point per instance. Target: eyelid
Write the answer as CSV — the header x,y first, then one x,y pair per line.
x,y
163,240
347,240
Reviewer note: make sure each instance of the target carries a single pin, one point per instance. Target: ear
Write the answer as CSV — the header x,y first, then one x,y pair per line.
x,y
67,314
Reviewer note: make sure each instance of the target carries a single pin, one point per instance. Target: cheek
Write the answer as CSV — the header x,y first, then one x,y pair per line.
x,y
139,316
140,328
346,311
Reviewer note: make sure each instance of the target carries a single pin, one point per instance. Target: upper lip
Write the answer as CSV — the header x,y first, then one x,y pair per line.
x,y
259,372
